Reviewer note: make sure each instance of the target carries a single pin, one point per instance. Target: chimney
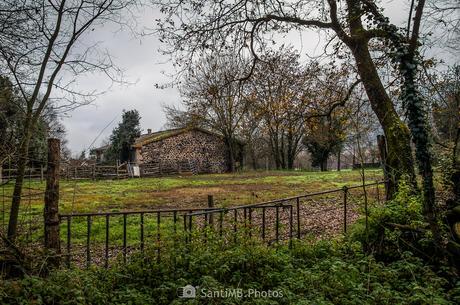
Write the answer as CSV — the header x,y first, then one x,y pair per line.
x,y
149,131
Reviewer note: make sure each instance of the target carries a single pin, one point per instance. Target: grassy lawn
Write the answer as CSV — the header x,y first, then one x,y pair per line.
x,y
186,191
79,196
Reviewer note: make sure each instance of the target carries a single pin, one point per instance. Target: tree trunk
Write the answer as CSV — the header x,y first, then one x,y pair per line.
x,y
231,155
275,149
254,160
290,162
22,158
290,153
399,159
353,160
282,152
232,162
16,200
338,160
251,152
420,136
323,165
455,176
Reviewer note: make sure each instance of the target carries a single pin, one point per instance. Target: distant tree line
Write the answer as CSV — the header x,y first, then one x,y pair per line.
x,y
283,108
286,107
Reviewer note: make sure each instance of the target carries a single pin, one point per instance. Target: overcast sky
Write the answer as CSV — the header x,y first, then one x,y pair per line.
x,y
140,60
143,65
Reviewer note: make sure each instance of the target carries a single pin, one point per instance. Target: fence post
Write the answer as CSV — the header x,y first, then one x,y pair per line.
x,y
377,184
41,173
345,195
298,216
51,211
211,205
382,145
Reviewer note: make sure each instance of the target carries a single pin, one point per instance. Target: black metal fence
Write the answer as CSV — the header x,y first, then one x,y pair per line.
x,y
96,238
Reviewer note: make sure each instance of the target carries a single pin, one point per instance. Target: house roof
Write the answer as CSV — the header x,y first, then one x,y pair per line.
x,y
161,135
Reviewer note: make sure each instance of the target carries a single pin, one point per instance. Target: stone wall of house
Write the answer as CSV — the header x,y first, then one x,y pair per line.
x,y
202,152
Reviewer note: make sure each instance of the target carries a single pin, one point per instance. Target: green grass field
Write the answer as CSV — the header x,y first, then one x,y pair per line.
x,y
185,191
77,196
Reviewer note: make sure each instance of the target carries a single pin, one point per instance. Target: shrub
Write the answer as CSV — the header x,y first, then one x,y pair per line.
x,y
395,227
325,272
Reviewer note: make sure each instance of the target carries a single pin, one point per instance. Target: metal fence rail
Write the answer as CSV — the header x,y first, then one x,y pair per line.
x,y
95,238
89,218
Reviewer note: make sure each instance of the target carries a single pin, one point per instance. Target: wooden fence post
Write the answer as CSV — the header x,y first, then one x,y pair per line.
x,y
51,212
41,173
345,195
381,142
211,205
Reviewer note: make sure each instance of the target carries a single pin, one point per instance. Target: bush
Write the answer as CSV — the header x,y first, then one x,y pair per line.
x,y
395,227
325,272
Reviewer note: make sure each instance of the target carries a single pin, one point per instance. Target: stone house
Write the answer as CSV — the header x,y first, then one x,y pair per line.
x,y
99,153
194,150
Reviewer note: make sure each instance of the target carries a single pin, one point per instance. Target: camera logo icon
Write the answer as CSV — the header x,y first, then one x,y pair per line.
x,y
186,292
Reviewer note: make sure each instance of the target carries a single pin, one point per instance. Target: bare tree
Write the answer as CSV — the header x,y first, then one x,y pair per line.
x,y
181,118
191,28
443,21
277,89
326,121
214,96
42,52
252,134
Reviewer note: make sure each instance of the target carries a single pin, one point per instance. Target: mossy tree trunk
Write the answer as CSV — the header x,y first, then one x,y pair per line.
x,y
399,154
407,58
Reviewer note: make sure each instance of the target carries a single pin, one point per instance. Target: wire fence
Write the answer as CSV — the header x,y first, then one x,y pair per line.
x,y
30,219
98,238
